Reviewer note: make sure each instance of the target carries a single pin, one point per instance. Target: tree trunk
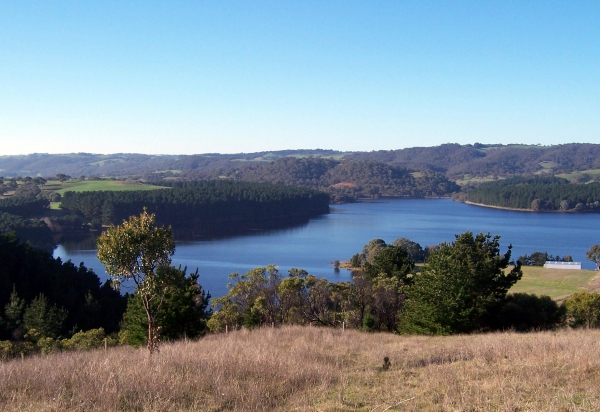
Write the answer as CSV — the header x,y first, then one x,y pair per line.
x,y
153,332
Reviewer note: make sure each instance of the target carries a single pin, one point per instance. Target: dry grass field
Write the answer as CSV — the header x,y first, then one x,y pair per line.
x,y
318,369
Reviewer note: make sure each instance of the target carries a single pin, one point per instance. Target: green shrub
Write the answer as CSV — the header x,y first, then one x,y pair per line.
x,y
90,339
583,310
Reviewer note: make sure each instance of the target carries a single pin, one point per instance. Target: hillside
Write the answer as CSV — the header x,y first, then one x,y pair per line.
x,y
343,180
318,369
454,160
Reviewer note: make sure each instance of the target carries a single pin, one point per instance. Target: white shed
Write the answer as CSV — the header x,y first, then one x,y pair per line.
x,y
562,265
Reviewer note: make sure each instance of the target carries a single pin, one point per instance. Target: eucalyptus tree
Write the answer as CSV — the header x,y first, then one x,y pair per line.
x,y
134,251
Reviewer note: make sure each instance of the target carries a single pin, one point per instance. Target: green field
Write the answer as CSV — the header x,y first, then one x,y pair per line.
x,y
467,179
552,282
576,175
94,185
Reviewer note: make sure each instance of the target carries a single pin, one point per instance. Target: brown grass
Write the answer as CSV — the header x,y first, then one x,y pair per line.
x,y
318,369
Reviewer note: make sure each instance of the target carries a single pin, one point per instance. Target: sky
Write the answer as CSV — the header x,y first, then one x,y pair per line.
x,y
188,77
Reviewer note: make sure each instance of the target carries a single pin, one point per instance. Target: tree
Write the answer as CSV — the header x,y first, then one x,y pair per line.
x,y
42,320
183,312
594,255
390,261
134,251
251,301
13,312
415,251
459,286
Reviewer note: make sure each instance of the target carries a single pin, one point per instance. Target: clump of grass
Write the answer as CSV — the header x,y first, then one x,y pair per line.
x,y
310,369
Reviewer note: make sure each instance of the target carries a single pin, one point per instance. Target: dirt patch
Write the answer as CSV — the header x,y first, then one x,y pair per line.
x,y
344,184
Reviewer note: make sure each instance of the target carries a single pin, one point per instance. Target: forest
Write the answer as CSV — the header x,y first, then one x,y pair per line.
x,y
537,194
199,203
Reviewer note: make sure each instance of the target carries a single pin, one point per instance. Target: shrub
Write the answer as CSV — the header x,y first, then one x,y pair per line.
x,y
90,339
524,312
583,309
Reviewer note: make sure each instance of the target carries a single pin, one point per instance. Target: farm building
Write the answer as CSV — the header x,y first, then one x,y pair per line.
x,y
562,265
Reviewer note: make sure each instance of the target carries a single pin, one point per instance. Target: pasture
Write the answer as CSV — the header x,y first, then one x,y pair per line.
x,y
95,185
555,283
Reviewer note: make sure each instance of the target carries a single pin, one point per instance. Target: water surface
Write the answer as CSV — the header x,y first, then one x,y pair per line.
x,y
343,232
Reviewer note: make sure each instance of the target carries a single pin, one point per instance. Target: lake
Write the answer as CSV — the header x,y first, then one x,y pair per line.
x,y
344,232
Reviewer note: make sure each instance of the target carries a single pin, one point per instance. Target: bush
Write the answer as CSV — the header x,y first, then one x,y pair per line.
x,y
49,345
524,312
583,310
91,339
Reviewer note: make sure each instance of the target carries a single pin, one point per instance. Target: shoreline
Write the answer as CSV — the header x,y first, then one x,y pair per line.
x,y
514,209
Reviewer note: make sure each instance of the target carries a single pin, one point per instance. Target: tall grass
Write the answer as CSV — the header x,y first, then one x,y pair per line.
x,y
318,369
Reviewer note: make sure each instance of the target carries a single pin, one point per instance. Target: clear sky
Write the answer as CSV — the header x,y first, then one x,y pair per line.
x,y
183,77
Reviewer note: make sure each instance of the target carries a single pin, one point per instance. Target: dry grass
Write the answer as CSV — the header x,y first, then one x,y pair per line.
x,y
318,369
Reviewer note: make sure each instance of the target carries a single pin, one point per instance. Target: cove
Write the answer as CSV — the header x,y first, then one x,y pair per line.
x,y
347,228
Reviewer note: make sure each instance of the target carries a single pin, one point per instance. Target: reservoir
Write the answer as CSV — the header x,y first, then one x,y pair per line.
x,y
344,232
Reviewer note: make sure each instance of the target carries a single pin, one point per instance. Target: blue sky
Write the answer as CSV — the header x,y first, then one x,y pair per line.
x,y
185,77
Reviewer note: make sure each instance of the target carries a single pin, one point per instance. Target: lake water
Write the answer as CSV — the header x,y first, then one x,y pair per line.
x,y
349,227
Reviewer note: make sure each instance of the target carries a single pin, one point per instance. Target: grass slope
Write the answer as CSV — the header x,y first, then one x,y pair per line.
x,y
552,282
318,369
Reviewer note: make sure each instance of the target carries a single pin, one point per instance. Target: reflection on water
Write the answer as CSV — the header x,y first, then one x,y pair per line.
x,y
314,244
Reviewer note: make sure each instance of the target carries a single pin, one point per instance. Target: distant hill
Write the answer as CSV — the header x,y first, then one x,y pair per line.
x,y
478,160
345,180
456,161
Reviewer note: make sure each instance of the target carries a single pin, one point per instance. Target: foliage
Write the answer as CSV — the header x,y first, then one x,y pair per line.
x,y
206,203
524,312
458,286
86,340
539,194
183,313
583,309
133,251
594,255
25,273
40,320
540,258
34,231
24,206
415,252
343,180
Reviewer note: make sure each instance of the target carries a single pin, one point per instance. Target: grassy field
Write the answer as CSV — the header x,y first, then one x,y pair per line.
x,y
576,175
318,369
93,185
553,282
478,180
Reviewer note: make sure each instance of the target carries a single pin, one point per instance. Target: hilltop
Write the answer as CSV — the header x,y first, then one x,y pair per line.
x,y
453,160
318,369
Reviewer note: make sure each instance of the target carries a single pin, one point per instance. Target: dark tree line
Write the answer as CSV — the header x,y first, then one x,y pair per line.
x,y
539,194
199,203
20,214
79,300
